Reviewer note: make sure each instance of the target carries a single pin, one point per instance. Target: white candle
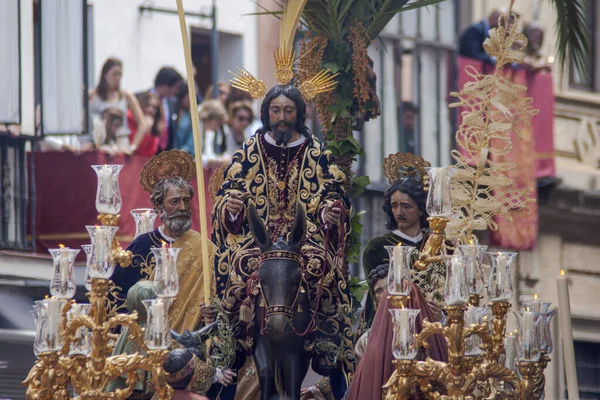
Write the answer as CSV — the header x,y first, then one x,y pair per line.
x,y
527,329
456,298
105,178
53,316
500,268
509,346
100,246
166,263
564,314
404,327
146,222
472,270
438,194
398,278
64,266
159,319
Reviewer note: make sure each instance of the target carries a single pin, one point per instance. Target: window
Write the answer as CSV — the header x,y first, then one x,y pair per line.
x,y
587,356
60,65
10,67
589,82
415,66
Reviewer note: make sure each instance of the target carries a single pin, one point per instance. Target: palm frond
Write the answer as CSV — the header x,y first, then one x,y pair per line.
x,y
389,8
572,33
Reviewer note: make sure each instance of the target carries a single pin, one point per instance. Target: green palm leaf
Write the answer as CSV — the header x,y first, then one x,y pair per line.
x,y
572,33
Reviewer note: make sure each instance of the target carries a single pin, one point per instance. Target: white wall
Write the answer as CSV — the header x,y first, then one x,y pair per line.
x,y
146,42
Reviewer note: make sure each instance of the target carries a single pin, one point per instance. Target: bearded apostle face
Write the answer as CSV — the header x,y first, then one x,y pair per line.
x,y
175,211
282,118
406,212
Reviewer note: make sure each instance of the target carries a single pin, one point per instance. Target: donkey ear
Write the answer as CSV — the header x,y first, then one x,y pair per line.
x,y
258,229
298,232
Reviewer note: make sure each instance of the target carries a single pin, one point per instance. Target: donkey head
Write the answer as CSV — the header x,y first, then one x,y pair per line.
x,y
280,273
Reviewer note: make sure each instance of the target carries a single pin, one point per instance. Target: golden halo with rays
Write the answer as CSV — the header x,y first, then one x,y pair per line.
x,y
399,165
167,164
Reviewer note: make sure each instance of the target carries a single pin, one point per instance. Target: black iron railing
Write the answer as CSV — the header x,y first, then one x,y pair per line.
x,y
17,194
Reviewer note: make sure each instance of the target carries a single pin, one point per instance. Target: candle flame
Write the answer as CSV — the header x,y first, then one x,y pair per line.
x,y
562,272
46,298
527,309
399,244
61,246
535,296
471,242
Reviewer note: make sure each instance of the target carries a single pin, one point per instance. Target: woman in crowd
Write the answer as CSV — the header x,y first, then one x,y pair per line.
x,y
153,112
108,94
236,129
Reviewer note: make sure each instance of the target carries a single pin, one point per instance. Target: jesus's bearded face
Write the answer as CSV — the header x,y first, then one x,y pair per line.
x,y
282,119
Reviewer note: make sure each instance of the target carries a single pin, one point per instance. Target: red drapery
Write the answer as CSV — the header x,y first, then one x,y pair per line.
x,y
66,192
533,155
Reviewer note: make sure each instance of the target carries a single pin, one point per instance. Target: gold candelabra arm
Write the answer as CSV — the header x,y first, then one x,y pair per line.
x,y
399,386
429,329
41,379
435,241
533,381
490,370
499,310
130,321
156,359
481,330
123,257
399,301
120,256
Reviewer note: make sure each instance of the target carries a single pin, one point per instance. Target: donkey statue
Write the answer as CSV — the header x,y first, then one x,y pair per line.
x,y
282,311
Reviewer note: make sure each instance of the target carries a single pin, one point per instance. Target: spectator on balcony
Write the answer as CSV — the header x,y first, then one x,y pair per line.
x,y
534,59
408,134
236,130
104,132
166,86
108,94
153,113
471,40
212,117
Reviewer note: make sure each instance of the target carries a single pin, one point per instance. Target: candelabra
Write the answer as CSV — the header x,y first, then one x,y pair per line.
x,y
481,357
74,342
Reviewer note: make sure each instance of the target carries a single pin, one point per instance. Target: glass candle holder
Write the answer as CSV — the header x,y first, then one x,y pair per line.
x,y
500,279
87,281
47,316
543,331
473,256
144,220
101,263
62,285
475,316
399,276
456,293
82,345
439,198
546,344
157,334
510,351
528,348
108,194
166,278
404,346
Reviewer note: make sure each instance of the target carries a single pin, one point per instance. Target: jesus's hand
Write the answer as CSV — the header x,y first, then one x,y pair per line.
x,y
235,204
332,214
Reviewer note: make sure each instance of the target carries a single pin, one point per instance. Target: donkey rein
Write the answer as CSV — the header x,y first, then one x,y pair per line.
x,y
328,230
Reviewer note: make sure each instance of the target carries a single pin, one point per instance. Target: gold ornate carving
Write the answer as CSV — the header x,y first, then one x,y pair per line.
x,y
248,83
401,164
167,164
322,82
216,181
430,252
284,62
